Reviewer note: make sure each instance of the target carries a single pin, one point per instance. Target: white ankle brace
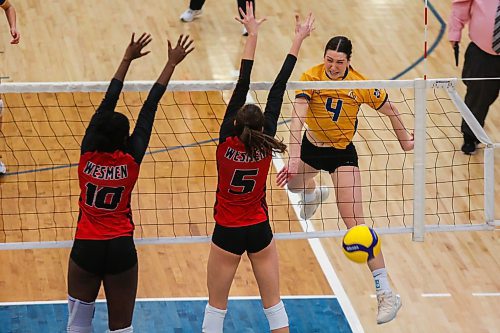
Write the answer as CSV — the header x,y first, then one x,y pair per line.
x,y
213,321
276,315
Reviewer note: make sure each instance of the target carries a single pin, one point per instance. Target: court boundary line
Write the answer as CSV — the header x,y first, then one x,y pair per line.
x,y
435,295
235,298
492,294
172,299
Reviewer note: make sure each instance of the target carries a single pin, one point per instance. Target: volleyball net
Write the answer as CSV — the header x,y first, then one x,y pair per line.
x,y
434,188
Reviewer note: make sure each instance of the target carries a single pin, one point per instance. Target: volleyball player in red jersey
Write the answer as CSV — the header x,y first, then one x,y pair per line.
x,y
104,250
243,159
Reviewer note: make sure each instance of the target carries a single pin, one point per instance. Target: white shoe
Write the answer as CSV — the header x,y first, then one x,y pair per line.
x,y
190,15
388,306
244,32
307,209
1,107
3,169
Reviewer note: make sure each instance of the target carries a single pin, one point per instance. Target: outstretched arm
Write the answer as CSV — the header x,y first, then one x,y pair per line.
x,y
405,138
240,91
108,104
133,51
140,137
275,98
10,12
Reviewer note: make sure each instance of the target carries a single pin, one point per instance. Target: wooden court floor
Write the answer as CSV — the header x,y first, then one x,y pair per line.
x,y
448,283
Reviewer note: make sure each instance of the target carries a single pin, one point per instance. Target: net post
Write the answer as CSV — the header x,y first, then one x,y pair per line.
x,y
467,115
419,161
489,184
489,155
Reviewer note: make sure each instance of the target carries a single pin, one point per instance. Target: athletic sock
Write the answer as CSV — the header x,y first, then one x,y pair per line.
x,y
308,197
381,280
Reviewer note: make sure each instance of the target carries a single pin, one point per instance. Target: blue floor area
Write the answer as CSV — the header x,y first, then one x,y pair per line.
x,y
308,315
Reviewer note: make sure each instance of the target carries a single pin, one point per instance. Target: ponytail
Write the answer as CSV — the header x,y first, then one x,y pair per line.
x,y
249,123
257,143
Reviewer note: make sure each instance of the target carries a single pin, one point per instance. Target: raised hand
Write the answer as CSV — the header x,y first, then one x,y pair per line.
x,y
303,30
290,170
181,50
134,48
282,177
248,19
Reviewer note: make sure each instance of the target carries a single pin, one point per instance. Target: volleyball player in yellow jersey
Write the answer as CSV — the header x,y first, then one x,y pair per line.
x,y
330,117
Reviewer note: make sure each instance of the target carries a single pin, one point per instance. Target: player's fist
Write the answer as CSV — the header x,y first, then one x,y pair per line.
x,y
15,36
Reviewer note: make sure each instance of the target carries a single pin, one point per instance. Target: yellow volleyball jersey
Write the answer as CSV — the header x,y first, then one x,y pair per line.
x,y
332,113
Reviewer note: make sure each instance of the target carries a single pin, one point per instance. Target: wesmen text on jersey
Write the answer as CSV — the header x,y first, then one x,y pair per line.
x,y
106,183
241,189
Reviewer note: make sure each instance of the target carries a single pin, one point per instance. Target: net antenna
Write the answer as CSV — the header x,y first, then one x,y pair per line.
x,y
426,7
434,188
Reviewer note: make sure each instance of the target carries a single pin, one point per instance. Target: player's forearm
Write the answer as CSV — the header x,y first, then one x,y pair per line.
x,y
296,44
297,122
110,100
275,97
399,128
166,74
404,137
238,97
10,12
250,46
295,137
122,70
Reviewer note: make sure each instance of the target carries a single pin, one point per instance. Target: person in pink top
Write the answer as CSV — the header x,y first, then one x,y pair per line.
x,y
482,58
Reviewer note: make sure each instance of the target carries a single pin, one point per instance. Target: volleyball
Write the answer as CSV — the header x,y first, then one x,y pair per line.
x,y
360,244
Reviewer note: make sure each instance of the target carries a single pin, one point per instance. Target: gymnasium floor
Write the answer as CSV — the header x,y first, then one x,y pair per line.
x,y
448,283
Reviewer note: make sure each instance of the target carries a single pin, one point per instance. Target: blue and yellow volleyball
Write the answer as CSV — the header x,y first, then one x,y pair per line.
x,y
361,243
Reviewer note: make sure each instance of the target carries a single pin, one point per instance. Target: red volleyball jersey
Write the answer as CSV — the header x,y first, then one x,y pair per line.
x,y
106,183
241,190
